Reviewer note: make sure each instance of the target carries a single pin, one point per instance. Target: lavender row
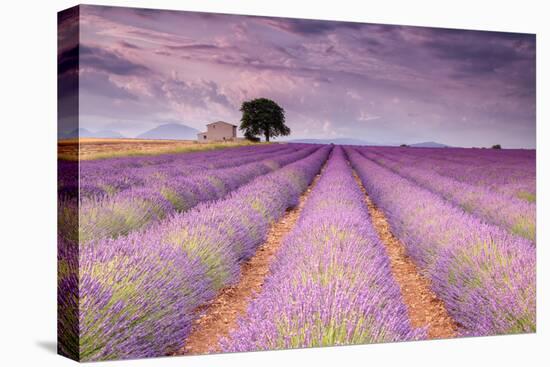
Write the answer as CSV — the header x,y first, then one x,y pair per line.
x,y
501,173
506,174
99,184
485,275
476,166
109,168
105,177
139,293
110,181
512,214
117,163
331,282
481,156
135,208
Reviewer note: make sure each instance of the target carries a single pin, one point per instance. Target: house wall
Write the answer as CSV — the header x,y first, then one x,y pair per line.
x,y
221,132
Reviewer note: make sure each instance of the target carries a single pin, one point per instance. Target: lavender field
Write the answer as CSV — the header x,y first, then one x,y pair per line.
x,y
278,246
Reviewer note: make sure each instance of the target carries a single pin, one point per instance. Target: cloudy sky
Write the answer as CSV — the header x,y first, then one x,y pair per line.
x,y
380,83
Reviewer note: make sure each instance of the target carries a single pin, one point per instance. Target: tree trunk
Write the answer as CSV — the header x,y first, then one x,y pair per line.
x,y
267,136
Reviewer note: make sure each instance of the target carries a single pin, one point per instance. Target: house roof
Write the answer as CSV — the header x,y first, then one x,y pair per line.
x,y
220,122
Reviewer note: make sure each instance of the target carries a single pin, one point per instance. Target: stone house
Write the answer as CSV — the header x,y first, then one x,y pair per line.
x,y
218,131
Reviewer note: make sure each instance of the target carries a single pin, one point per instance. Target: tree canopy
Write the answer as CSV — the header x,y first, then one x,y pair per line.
x,y
262,116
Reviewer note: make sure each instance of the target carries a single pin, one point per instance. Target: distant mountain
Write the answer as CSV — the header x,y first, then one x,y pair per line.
x,y
76,133
340,141
85,133
170,131
429,144
352,141
108,134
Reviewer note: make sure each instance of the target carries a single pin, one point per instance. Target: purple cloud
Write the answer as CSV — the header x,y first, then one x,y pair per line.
x,y
391,84
108,61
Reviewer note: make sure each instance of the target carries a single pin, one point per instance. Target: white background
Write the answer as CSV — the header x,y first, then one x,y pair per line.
x,y
28,180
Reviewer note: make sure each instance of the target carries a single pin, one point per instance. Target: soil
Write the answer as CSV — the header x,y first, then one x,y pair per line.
x,y
424,307
220,316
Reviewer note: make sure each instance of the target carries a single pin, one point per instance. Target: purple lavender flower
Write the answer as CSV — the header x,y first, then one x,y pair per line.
x,y
137,207
138,293
511,213
484,274
331,282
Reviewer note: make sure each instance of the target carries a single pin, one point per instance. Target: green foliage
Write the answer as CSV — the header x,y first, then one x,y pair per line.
x,y
496,146
525,195
262,116
248,136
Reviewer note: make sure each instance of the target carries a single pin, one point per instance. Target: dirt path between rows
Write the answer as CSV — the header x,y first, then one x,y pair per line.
x,y
220,316
424,308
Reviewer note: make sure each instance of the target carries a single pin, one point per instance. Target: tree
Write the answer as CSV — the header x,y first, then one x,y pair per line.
x,y
496,146
251,138
262,116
